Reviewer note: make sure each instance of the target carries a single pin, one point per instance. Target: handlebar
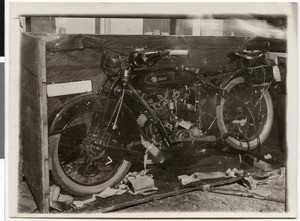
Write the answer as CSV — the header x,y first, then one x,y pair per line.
x,y
141,57
164,53
259,46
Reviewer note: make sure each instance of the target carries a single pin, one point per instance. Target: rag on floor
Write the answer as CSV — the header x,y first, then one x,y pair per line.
x,y
140,183
186,179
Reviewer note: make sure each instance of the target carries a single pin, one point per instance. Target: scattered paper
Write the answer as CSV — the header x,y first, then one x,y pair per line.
x,y
54,193
140,183
111,192
81,203
67,199
59,201
230,173
185,179
234,172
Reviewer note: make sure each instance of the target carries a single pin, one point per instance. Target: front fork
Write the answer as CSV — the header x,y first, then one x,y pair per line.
x,y
124,79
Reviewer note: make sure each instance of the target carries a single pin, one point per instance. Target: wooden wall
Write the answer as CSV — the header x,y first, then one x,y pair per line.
x,y
77,57
34,125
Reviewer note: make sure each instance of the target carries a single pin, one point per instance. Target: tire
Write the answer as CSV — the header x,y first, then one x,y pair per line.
x,y
243,136
71,148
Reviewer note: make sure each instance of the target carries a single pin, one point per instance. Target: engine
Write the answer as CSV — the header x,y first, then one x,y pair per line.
x,y
177,112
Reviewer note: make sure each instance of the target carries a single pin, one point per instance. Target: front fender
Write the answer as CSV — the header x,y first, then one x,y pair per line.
x,y
131,128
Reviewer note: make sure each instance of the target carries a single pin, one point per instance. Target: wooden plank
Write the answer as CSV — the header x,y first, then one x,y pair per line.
x,y
30,130
29,89
242,193
34,128
30,54
45,204
76,87
205,185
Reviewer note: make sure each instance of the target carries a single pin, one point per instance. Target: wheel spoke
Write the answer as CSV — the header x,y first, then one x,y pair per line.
x,y
73,136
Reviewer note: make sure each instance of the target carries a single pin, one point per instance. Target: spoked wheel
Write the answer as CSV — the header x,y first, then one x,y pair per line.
x,y
80,163
245,114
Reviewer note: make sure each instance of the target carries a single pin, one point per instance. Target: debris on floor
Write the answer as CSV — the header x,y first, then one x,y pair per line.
x,y
81,203
264,195
252,161
134,183
186,179
247,188
234,172
108,192
257,185
249,182
140,183
58,201
269,176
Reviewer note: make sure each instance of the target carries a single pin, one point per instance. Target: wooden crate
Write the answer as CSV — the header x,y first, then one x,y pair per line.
x,y
46,60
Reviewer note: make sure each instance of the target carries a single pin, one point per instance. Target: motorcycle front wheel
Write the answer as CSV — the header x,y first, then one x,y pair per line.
x,y
79,167
244,114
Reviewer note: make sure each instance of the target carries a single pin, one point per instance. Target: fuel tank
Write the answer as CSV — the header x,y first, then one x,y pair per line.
x,y
161,78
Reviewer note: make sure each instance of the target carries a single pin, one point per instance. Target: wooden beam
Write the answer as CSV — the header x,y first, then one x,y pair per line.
x,y
205,186
28,24
97,25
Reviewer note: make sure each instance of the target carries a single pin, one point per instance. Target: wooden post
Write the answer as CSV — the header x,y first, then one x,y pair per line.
x,y
34,125
97,25
172,26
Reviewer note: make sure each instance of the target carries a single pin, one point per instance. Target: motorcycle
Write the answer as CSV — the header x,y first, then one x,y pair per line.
x,y
141,114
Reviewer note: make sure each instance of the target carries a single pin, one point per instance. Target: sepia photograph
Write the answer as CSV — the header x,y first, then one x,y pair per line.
x,y
182,112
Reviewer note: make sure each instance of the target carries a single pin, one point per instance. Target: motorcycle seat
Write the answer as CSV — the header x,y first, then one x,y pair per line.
x,y
249,55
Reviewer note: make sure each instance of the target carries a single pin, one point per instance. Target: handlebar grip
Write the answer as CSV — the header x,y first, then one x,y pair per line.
x,y
179,52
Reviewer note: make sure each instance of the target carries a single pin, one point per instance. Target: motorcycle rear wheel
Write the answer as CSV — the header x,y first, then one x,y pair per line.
x,y
78,167
242,116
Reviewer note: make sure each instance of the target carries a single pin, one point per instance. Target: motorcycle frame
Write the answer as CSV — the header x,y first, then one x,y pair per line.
x,y
134,93
218,93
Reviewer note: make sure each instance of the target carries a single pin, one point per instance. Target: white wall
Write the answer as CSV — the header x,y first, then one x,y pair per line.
x,y
126,26
207,27
76,25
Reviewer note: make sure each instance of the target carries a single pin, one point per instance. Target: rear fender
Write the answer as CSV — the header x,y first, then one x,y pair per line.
x,y
221,93
239,73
